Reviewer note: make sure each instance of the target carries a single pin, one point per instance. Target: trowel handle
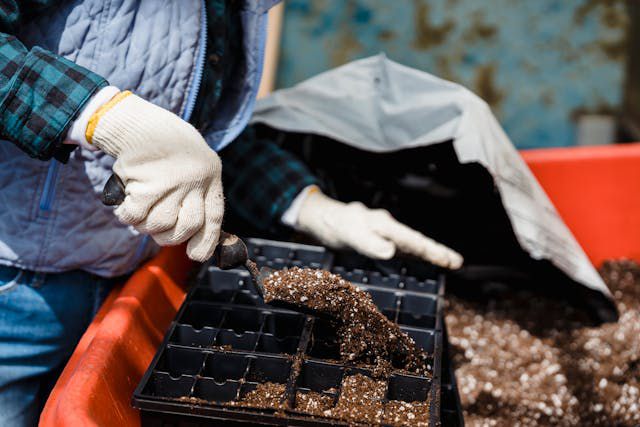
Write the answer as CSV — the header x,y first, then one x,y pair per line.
x,y
113,193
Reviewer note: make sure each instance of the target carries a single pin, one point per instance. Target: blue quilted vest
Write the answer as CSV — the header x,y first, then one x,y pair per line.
x,y
51,217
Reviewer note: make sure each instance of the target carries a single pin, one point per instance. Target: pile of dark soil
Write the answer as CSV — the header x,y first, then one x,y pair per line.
x,y
517,364
365,335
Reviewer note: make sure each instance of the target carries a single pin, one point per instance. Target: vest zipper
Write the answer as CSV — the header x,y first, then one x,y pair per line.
x,y
192,97
49,190
48,193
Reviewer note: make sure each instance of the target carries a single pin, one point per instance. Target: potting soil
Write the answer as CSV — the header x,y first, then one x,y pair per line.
x,y
266,395
524,360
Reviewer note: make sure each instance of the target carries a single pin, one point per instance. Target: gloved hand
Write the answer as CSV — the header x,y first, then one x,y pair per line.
x,y
374,233
172,177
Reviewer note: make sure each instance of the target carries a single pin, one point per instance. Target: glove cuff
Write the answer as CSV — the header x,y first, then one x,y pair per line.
x,y
291,215
128,122
77,132
95,118
312,211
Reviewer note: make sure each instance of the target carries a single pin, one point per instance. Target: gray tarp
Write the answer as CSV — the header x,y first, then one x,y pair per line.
x,y
378,105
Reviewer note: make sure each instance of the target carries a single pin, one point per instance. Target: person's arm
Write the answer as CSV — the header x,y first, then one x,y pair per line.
x,y
261,179
40,92
372,232
267,185
172,177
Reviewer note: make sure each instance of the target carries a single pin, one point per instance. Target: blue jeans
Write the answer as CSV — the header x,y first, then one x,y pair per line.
x,y
42,317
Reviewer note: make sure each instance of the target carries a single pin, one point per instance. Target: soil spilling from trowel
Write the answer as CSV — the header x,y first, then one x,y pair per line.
x,y
364,334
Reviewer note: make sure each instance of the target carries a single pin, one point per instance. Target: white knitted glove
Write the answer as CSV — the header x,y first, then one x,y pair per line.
x,y
374,233
172,177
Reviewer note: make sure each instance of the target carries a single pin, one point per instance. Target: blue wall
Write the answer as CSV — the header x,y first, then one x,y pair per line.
x,y
537,62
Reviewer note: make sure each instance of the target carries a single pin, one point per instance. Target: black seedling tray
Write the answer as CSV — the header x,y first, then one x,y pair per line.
x,y
225,341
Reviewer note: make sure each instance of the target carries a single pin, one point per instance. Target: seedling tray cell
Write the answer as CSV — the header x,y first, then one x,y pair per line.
x,y
320,376
225,366
430,286
208,389
162,385
186,335
224,280
425,338
322,342
408,308
226,343
271,344
350,261
199,315
355,275
283,324
418,321
408,388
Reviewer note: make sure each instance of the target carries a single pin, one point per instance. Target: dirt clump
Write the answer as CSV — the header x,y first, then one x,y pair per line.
x,y
364,334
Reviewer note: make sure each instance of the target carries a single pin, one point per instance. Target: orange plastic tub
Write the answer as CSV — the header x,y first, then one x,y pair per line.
x,y
596,190
96,385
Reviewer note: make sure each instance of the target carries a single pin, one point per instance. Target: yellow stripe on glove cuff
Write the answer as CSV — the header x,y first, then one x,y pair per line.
x,y
95,118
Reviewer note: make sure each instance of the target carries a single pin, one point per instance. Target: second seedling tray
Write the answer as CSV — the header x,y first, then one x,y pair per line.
x,y
225,342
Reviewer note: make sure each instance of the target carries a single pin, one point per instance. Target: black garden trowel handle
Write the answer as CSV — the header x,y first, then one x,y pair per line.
x,y
113,192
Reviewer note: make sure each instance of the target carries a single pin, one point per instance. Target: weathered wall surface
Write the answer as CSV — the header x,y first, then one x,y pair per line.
x,y
538,63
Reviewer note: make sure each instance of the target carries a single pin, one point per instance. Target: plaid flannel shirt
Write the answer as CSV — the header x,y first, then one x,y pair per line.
x,y
40,92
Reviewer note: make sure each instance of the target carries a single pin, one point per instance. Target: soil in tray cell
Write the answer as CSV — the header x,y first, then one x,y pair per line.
x,y
314,403
399,413
362,401
265,395
365,335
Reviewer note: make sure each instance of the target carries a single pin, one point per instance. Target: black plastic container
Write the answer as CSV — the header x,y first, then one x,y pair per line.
x,y
225,341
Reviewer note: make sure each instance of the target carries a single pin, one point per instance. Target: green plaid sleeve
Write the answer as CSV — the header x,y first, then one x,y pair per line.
x,y
261,179
40,93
